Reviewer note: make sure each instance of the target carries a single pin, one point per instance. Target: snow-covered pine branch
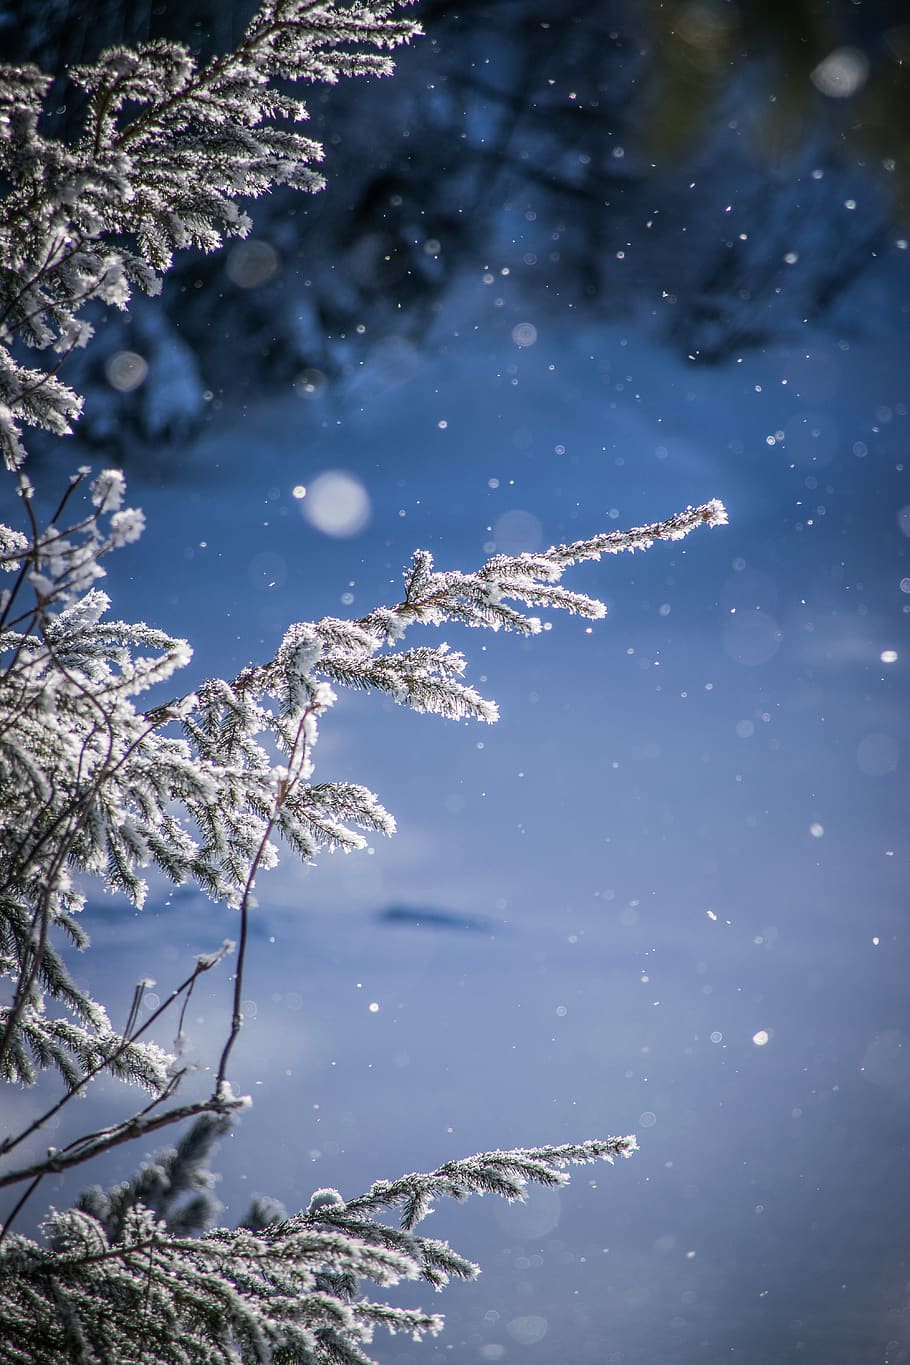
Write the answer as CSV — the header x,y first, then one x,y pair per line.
x,y
363,654
507,1174
93,784
480,599
288,1289
166,151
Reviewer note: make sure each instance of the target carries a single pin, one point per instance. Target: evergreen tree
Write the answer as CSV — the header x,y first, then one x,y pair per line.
x,y
206,788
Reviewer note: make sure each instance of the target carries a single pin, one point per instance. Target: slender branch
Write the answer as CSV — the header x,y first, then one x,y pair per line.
x,y
19,1205
285,789
203,964
75,480
45,268
95,1144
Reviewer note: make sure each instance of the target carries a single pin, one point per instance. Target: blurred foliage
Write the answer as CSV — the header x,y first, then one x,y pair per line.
x,y
722,169
800,64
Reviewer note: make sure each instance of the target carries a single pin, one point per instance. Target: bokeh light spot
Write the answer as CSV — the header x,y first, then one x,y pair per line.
x,y
251,264
841,73
310,383
528,1329
517,531
125,370
337,503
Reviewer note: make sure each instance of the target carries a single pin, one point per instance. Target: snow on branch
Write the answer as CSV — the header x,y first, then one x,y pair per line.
x,y
480,599
166,151
506,1173
93,784
204,787
292,1286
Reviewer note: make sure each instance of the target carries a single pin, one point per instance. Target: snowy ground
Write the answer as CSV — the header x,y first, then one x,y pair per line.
x,y
668,888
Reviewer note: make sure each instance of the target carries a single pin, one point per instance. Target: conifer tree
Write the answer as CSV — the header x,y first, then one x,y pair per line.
x,y
207,788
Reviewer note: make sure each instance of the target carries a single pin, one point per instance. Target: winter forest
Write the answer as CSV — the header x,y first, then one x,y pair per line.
x,y
541,370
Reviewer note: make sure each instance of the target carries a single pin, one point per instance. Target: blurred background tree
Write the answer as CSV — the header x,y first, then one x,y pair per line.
x,y
723,170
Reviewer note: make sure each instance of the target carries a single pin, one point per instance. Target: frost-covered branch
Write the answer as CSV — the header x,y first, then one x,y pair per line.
x,y
92,782
110,1060
166,152
91,1145
298,768
206,788
480,599
290,1290
507,1174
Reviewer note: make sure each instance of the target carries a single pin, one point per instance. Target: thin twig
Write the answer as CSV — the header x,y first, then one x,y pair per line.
x,y
128,1131
285,790
205,965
